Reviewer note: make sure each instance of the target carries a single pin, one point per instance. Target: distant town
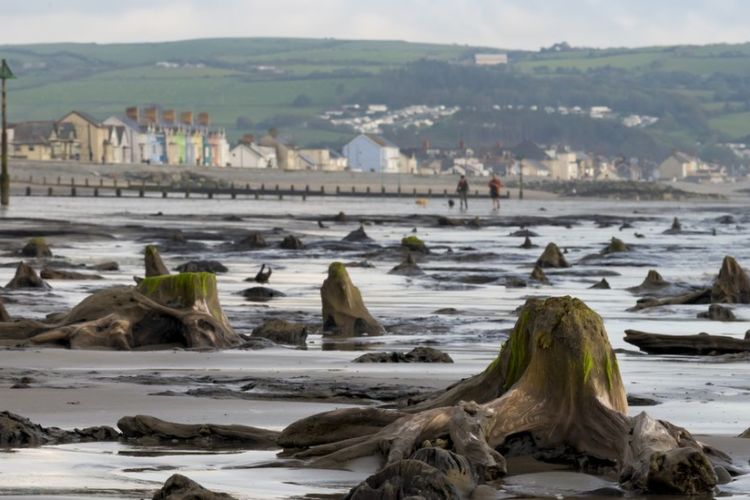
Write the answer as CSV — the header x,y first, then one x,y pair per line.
x,y
159,136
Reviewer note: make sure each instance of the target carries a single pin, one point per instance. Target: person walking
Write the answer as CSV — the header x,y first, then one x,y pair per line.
x,y
495,185
463,193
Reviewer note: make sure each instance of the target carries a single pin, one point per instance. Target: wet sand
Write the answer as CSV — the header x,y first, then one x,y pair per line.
x,y
708,396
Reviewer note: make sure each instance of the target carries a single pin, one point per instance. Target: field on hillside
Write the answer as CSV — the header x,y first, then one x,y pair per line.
x,y
254,79
701,95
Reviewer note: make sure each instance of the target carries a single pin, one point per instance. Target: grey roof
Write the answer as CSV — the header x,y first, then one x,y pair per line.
x,y
529,151
380,141
85,116
41,132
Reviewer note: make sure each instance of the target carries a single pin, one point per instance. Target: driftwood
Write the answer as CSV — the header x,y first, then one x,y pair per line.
x,y
142,428
20,432
177,310
701,344
556,380
732,286
262,276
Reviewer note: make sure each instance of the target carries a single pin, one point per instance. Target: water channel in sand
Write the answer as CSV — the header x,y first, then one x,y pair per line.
x,y
79,388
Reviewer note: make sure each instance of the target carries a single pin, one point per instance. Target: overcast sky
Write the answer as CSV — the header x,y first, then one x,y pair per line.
x,y
527,24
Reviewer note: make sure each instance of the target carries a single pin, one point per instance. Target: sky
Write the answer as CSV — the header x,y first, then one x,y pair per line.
x,y
511,24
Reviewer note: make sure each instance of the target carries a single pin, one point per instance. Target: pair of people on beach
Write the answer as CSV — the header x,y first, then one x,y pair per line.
x,y
462,189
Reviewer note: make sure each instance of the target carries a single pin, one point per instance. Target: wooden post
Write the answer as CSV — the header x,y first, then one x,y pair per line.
x,y
96,192
4,178
140,193
73,191
210,195
86,181
118,192
49,192
163,194
28,190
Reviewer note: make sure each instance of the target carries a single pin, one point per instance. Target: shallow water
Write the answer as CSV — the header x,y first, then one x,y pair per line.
x,y
705,396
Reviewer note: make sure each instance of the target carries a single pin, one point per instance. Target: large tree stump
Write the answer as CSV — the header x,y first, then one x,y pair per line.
x,y
344,311
178,310
556,381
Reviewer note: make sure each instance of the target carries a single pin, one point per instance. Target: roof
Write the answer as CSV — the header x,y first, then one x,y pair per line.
x,y
529,151
83,115
682,157
40,132
380,141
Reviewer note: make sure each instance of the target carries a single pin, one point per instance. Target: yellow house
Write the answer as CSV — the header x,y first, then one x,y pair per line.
x,y
44,140
92,135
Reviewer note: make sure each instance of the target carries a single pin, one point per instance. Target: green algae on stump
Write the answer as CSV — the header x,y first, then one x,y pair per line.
x,y
556,379
178,310
414,244
36,248
344,311
616,245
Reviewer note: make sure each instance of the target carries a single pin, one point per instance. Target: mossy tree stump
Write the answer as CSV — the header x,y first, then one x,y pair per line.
x,y
555,381
180,310
344,311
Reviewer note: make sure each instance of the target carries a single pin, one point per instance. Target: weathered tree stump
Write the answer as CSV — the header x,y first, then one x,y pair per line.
x,y
344,311
36,248
552,257
26,277
154,265
179,487
176,310
556,380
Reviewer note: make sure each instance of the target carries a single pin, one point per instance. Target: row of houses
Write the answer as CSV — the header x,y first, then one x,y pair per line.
x,y
160,136
149,135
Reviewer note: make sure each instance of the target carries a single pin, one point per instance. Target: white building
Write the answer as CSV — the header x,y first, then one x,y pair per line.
x,y
563,165
252,156
372,153
136,139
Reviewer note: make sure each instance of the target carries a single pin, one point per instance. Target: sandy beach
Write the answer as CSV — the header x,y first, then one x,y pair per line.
x,y
273,387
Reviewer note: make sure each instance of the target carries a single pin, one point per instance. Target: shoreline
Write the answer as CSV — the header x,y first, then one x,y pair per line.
x,y
441,185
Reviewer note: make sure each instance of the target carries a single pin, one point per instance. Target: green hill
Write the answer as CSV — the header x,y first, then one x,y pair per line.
x,y
255,78
700,94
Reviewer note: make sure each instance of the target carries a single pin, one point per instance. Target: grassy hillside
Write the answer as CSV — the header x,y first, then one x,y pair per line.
x,y
257,79
701,95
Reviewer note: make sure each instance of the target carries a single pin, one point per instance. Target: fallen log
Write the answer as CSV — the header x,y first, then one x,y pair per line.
x,y
701,344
